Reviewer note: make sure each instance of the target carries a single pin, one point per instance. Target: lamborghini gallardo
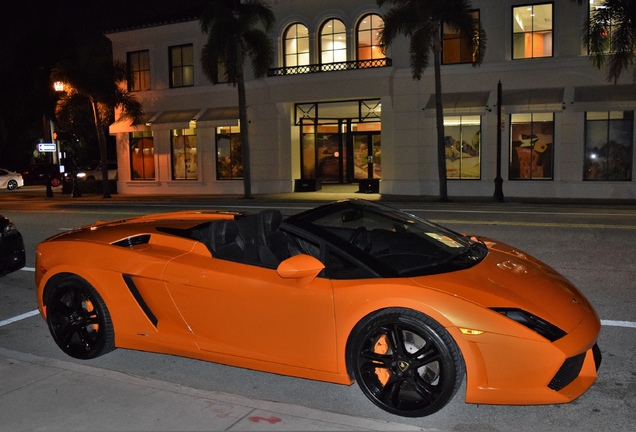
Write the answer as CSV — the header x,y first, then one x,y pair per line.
x,y
350,291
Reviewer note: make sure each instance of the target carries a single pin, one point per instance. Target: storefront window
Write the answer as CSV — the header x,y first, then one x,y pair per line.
x,y
608,145
185,164
333,42
142,155
462,136
455,47
229,160
369,37
531,146
532,31
296,45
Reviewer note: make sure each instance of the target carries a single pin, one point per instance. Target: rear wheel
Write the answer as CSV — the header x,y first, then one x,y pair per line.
x,y
406,363
12,185
55,182
79,320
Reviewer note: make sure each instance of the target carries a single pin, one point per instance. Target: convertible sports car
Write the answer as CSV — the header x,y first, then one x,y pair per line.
x,y
348,291
12,255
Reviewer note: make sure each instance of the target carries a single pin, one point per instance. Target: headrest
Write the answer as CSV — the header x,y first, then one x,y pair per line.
x,y
270,220
225,232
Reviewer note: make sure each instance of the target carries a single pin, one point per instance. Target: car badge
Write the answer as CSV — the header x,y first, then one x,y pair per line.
x,y
403,365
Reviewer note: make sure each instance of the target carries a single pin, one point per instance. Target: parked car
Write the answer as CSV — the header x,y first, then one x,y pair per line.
x,y
96,173
35,174
349,291
10,179
12,255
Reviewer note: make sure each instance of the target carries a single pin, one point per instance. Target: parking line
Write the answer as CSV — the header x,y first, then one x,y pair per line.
x,y
19,317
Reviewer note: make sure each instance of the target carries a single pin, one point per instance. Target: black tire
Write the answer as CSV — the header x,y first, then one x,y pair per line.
x,y
12,185
55,182
405,362
78,319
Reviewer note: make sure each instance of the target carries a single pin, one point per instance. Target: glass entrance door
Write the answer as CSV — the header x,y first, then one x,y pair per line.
x,y
366,150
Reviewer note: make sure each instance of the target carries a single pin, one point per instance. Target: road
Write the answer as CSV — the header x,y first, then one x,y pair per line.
x,y
591,245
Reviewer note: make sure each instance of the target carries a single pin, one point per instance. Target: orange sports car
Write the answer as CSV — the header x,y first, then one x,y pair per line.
x,y
348,291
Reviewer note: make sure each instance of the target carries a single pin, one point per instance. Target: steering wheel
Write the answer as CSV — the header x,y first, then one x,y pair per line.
x,y
361,239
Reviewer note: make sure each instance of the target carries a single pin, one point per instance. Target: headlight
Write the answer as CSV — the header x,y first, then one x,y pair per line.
x,y
81,175
544,328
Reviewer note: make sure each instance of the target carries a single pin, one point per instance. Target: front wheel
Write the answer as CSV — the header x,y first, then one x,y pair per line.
x,y
406,363
79,320
12,185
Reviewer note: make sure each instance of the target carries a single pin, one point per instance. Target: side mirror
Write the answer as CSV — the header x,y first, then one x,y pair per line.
x,y
302,267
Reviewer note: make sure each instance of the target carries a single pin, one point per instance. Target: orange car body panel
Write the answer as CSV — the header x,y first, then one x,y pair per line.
x,y
288,321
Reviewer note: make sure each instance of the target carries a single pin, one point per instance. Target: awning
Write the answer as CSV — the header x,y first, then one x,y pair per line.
x,y
223,116
460,103
533,100
168,120
605,98
125,125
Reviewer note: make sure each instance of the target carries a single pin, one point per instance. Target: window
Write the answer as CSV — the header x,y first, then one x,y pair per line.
x,y
229,160
462,136
142,155
369,37
333,42
455,47
600,21
185,165
181,66
531,146
138,71
532,31
608,145
296,46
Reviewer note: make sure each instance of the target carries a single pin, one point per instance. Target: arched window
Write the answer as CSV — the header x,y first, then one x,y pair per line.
x,y
333,42
369,37
296,46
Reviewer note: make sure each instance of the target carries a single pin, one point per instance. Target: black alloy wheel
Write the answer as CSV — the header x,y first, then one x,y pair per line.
x,y
79,320
406,363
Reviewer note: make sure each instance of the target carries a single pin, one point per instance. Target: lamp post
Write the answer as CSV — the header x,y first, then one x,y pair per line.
x,y
498,195
60,87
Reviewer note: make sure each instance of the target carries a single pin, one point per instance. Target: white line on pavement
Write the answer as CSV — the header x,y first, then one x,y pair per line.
x,y
19,317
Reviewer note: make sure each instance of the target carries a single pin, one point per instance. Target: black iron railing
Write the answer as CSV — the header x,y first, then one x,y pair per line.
x,y
330,67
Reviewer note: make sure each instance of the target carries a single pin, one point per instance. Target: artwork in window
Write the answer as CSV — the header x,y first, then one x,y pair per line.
x,y
229,159
185,164
531,146
462,138
608,145
532,31
142,156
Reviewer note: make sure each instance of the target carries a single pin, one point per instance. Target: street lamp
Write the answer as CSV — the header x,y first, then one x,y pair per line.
x,y
61,87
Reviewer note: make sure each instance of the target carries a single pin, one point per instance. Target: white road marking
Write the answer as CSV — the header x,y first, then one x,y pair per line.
x,y
19,317
31,269
612,323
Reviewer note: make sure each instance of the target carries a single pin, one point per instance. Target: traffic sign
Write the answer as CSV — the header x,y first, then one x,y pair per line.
x,y
47,147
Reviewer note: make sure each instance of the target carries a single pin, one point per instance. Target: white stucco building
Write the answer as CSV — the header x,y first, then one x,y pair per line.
x,y
336,110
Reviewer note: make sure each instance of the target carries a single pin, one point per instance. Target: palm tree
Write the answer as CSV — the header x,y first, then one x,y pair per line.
x,y
97,83
232,37
611,37
422,21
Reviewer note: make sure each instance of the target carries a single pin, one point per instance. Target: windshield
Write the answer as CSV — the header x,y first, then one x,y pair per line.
x,y
391,241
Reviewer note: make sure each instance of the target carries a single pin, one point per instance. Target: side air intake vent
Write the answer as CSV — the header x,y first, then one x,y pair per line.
x,y
133,241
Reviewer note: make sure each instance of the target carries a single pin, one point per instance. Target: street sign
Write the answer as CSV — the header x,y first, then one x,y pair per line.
x,y
47,147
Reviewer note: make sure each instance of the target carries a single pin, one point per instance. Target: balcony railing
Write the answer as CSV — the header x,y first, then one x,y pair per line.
x,y
330,67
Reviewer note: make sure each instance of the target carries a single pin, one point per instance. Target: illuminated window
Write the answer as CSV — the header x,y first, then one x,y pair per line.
x,y
455,47
138,70
531,146
608,145
185,164
296,46
181,66
532,31
333,42
229,160
142,155
369,37
462,137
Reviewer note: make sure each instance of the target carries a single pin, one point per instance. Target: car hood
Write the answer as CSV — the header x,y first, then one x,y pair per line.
x,y
510,278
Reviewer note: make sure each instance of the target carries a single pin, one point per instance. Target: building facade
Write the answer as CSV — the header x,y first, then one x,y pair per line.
x,y
335,109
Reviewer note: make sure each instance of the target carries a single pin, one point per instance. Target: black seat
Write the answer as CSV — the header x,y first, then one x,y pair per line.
x,y
226,243
272,244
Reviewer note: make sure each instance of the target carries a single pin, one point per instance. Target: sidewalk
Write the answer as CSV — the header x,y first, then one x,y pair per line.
x,y
40,393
